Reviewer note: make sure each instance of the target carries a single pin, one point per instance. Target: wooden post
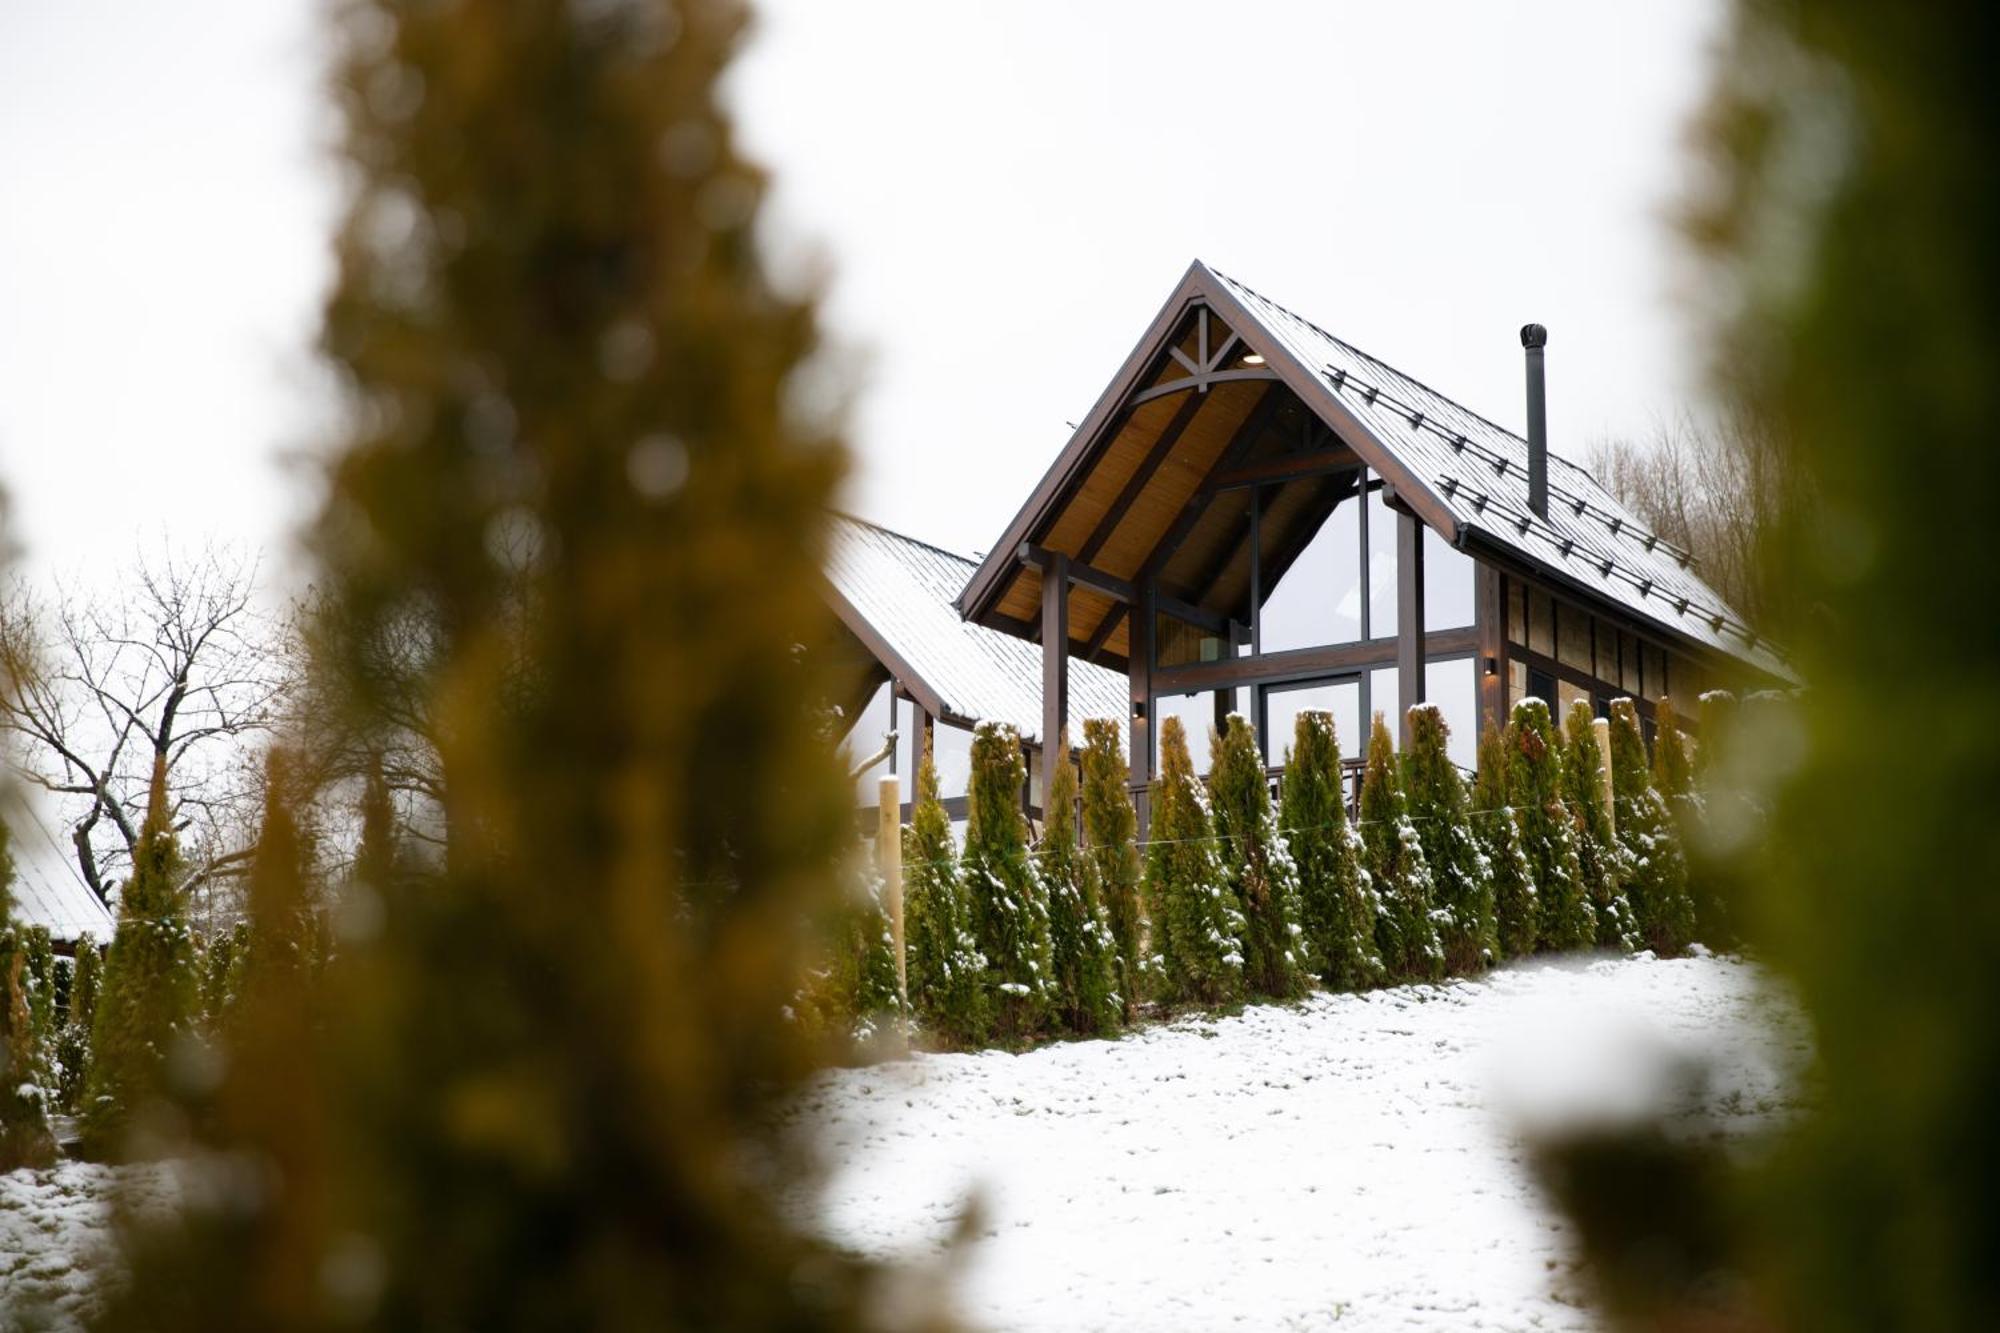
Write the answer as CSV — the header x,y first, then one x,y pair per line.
x,y
1055,667
889,863
1139,729
1409,619
1603,729
1490,617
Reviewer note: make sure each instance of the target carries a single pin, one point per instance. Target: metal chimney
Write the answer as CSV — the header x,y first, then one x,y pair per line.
x,y
1534,338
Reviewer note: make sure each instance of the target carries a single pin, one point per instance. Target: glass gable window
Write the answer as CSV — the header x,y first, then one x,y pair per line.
x,y
1318,600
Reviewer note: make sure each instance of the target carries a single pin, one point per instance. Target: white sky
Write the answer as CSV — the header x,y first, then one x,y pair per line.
x,y
1005,191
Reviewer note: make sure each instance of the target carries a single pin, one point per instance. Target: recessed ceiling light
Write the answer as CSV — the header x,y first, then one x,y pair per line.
x,y
1253,360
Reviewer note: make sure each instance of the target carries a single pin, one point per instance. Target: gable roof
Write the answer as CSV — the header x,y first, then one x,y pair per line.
x,y
1462,474
48,892
896,594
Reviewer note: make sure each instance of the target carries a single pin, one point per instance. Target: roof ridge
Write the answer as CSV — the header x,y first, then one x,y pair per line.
x,y
1370,356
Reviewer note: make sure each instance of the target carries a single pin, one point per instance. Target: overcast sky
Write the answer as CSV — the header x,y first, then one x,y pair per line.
x,y
1005,193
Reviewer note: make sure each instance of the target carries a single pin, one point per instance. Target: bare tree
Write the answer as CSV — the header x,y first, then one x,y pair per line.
x,y
163,686
1717,490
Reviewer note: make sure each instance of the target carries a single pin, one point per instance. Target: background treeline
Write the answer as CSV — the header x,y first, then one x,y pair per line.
x,y
1568,837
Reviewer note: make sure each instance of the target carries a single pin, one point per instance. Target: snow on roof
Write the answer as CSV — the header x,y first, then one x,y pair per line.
x,y
1479,471
904,591
44,896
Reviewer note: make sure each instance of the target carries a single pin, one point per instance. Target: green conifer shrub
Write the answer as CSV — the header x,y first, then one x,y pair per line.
x,y
1462,885
86,977
1196,927
1517,915
1337,903
1111,834
39,975
1010,910
149,999
1406,928
946,971
1548,840
220,961
1599,854
1693,785
573,452
24,1125
1085,978
1656,870
1257,863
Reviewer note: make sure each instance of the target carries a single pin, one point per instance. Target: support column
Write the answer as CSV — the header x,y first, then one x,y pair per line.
x,y
1409,620
1489,611
1055,670
1139,673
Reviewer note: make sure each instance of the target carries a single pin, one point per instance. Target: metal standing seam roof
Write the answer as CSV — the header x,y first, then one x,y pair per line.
x,y
905,590
42,895
1479,472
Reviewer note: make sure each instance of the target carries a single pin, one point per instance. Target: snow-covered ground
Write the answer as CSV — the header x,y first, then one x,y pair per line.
x,y
1352,1162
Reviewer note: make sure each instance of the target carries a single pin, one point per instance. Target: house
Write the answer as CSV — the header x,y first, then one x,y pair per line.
x,y
1258,517
909,665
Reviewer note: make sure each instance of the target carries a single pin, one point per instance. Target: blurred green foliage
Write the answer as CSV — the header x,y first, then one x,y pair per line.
x,y
580,459
1846,211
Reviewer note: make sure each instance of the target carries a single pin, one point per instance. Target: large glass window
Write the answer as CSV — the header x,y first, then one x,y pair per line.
x,y
1572,637
1448,582
1381,563
951,751
1284,703
1541,623
1197,715
1318,601
1454,687
1385,696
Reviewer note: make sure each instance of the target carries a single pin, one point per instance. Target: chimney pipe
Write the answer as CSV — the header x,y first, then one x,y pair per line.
x,y
1534,338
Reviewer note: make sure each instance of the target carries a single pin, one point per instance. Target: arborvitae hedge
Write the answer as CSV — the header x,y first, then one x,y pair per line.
x,y
1692,786
1258,865
1461,873
1516,911
149,996
86,978
1337,903
1010,911
1656,869
1111,832
1084,982
1599,856
944,966
24,1126
1405,929
1196,926
1534,789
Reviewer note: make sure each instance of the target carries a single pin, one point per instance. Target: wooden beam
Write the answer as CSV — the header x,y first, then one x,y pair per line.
x,y
1136,483
1102,634
1075,571
1139,721
1199,383
1288,468
1055,668
1409,619
1304,663
1188,611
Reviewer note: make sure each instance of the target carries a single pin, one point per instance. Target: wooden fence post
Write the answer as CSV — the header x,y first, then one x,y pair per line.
x,y
889,862
1603,730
